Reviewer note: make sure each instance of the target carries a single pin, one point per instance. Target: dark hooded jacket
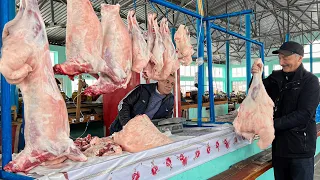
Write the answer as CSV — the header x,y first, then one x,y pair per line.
x,y
136,103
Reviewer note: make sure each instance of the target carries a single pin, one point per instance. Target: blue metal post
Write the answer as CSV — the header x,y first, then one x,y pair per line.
x,y
248,49
209,54
228,67
5,96
234,34
311,59
173,31
200,36
262,57
287,37
238,13
176,7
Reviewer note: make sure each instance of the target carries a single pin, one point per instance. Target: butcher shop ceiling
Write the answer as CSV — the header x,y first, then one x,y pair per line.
x,y
269,22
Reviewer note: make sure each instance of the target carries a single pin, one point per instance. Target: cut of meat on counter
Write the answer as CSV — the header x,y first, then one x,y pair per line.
x,y
140,134
116,52
95,146
46,130
140,53
83,40
255,115
183,45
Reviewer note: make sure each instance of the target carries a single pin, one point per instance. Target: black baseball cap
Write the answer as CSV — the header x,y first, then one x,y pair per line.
x,y
290,47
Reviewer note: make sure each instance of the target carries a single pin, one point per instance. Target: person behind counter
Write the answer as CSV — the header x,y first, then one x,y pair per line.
x,y
154,99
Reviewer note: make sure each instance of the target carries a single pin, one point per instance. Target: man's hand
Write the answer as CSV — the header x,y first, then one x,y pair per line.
x,y
256,67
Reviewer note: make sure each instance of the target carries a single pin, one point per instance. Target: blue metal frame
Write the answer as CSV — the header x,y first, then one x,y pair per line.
x,y
287,37
209,54
175,7
201,49
200,35
214,26
238,13
262,57
228,67
248,50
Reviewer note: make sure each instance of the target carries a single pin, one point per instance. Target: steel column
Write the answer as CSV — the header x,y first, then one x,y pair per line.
x,y
311,59
228,66
287,37
200,37
228,15
248,49
5,96
209,54
262,57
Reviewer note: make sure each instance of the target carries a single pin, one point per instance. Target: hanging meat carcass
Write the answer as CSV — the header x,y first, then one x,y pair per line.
x,y
26,62
255,115
140,53
156,47
83,40
170,59
183,45
116,52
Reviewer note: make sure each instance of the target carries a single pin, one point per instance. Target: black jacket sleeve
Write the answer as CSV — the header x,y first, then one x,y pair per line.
x,y
126,105
307,103
170,108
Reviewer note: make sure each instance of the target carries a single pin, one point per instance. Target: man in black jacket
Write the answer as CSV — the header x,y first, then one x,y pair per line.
x,y
296,94
155,100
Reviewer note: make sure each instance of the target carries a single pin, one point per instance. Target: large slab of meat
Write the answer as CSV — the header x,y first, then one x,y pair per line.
x,y
140,52
140,134
156,47
83,40
255,115
95,146
116,52
26,62
183,45
170,59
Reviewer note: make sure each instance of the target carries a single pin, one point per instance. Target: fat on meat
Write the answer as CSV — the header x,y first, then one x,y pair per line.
x,y
183,45
116,53
140,52
255,116
26,62
83,41
140,134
